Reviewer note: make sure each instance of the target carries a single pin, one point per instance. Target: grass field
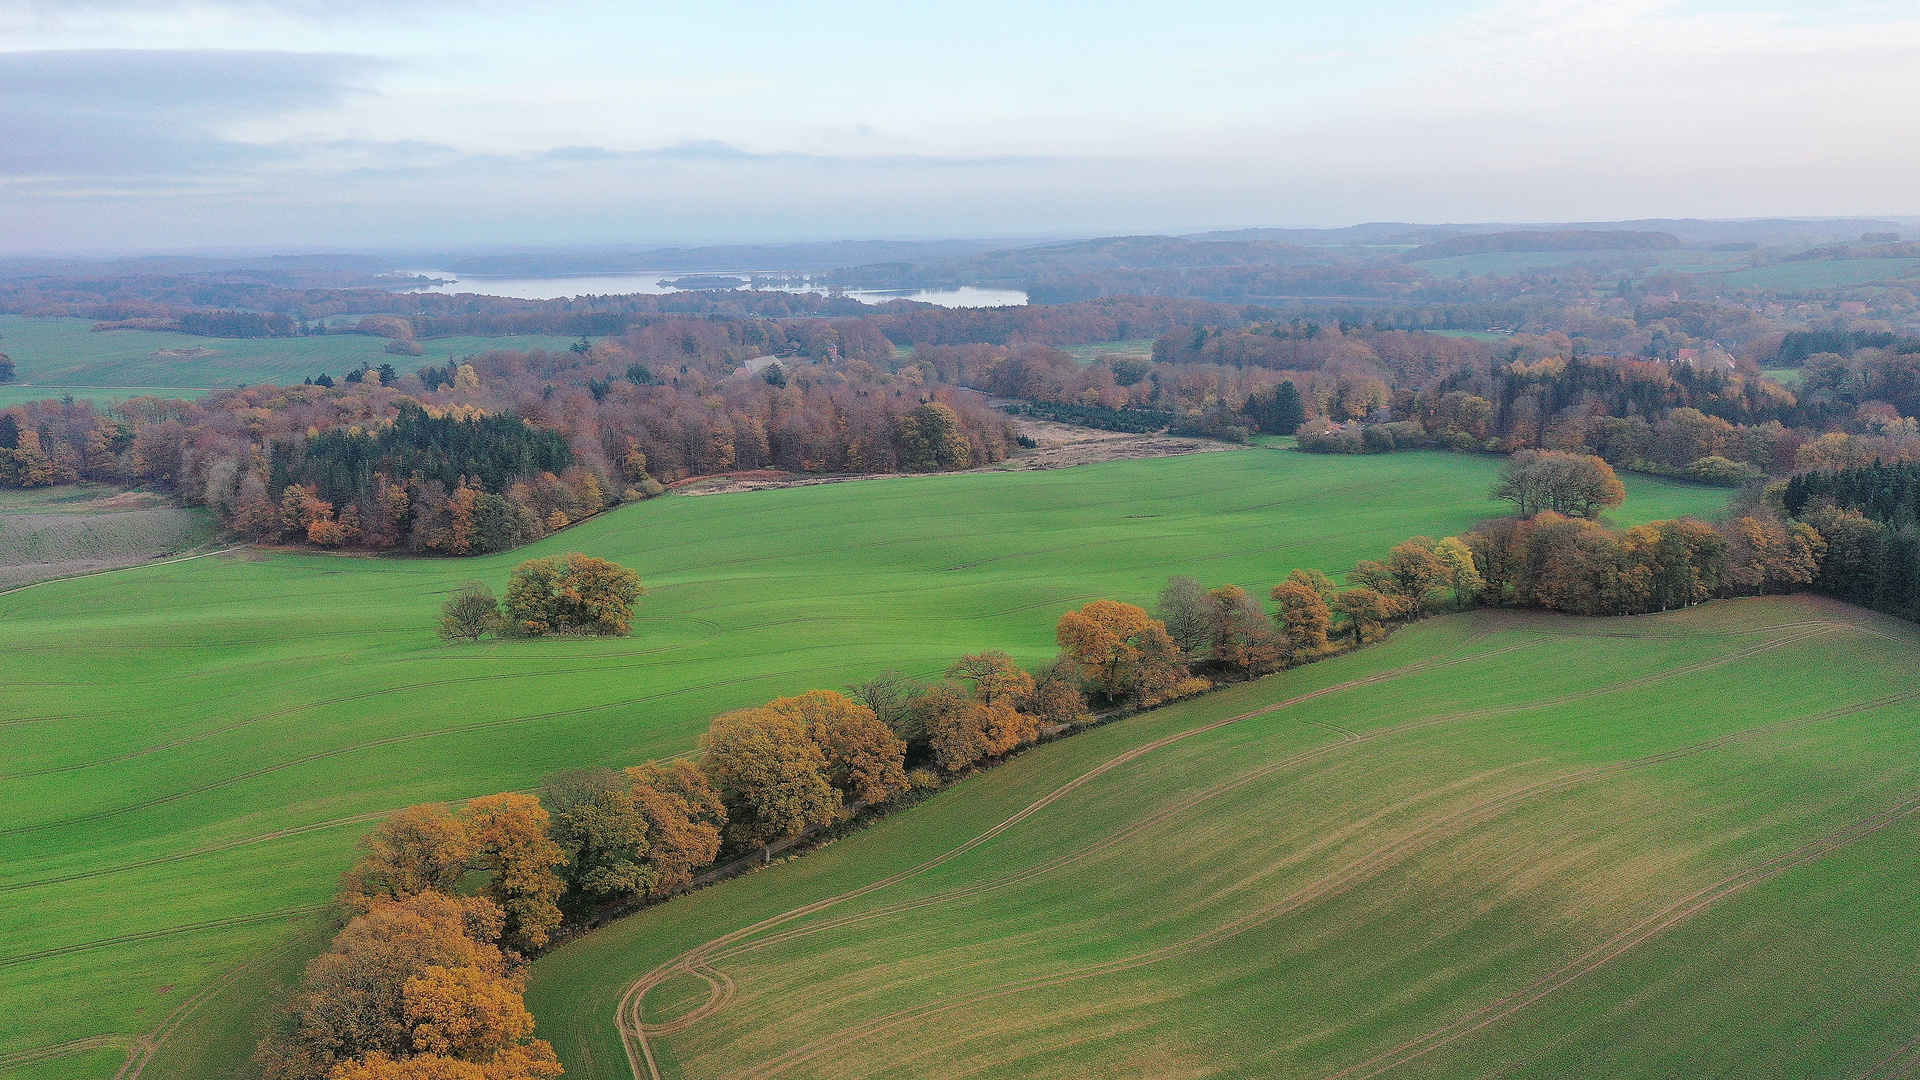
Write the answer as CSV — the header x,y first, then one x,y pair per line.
x,y
1500,844
63,356
192,749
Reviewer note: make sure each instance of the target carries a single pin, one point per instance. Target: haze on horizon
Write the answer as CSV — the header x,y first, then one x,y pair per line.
x,y
138,125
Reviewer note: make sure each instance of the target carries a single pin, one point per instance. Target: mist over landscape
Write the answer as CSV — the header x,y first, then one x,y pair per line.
x,y
708,542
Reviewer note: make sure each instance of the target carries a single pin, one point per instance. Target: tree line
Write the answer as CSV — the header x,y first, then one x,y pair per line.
x,y
507,447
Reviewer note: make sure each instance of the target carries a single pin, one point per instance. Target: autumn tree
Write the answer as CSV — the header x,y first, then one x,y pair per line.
x,y
1125,654
604,834
509,836
1304,616
1056,697
572,593
866,761
421,848
1367,611
1767,556
685,816
351,1001
470,613
1244,641
1577,485
932,438
1461,574
772,774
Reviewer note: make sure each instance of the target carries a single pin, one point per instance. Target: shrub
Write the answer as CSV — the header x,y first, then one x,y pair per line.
x,y
470,613
574,592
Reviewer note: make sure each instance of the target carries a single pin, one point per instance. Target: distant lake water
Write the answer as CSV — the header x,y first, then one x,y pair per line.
x,y
655,283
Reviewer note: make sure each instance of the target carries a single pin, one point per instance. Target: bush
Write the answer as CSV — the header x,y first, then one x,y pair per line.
x,y
470,613
1715,469
405,348
576,593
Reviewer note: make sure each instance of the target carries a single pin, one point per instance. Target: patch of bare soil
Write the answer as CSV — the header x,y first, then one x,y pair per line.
x,y
1061,446
184,354
1064,445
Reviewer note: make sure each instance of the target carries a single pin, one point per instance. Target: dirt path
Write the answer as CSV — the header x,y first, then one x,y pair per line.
x,y
699,961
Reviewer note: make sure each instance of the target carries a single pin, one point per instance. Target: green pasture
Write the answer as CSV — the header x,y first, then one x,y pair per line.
x,y
191,749
1514,262
64,356
1499,844
1788,377
1825,274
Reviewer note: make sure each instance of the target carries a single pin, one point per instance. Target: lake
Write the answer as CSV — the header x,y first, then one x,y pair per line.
x,y
654,283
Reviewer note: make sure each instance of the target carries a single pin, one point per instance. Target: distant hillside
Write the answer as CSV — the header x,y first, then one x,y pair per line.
x,y
1540,240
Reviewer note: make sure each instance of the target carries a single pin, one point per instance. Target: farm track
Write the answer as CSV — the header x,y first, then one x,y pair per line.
x,y
635,1033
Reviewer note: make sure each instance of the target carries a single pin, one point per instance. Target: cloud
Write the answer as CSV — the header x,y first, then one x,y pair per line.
x,y
137,112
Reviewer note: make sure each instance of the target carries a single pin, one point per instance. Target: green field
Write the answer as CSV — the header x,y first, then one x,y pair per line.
x,y
191,749
64,356
1825,274
1500,844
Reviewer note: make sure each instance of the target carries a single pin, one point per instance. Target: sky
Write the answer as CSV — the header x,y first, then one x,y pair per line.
x,y
270,125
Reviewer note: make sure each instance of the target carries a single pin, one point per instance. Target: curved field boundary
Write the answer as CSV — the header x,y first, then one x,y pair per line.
x,y
635,1032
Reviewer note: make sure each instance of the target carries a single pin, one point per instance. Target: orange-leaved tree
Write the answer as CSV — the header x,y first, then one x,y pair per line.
x,y
510,842
1124,653
866,761
351,1002
684,818
771,773
1304,616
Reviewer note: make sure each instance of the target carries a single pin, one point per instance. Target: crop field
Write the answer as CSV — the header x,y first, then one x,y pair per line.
x,y
1499,844
191,749
64,356
1825,273
72,528
1514,262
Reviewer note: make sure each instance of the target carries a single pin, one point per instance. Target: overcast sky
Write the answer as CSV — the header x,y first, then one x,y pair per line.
x,y
130,125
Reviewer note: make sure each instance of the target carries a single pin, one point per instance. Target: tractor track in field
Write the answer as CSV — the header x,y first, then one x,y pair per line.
x,y
392,740
277,715
634,1032
1381,859
204,849
140,1049
1621,943
166,931
1896,1065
